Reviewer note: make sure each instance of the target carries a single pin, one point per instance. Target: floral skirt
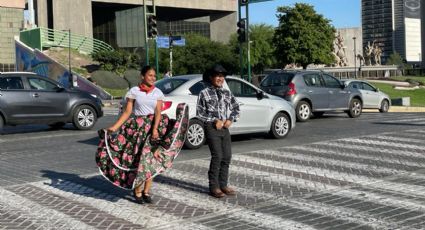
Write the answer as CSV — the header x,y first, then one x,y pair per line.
x,y
127,159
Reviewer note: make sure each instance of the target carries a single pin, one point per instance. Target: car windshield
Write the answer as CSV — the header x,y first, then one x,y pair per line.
x,y
277,79
168,85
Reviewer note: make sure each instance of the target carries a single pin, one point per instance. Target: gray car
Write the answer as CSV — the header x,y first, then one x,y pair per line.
x,y
373,98
26,98
313,93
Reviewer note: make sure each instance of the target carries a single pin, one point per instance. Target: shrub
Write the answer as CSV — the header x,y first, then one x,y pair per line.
x,y
132,76
117,61
109,80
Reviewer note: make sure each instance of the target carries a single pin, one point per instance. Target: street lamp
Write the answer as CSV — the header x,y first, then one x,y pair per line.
x,y
71,83
355,61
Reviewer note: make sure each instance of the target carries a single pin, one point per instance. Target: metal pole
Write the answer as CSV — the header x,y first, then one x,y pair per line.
x,y
248,43
146,33
240,44
71,82
171,57
156,55
355,61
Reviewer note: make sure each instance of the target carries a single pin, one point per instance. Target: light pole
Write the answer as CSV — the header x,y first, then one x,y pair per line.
x,y
355,61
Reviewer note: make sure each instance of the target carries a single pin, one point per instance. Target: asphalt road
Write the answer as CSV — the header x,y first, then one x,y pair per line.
x,y
329,173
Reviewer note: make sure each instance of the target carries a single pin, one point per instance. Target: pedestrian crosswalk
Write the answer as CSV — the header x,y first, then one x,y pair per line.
x,y
365,182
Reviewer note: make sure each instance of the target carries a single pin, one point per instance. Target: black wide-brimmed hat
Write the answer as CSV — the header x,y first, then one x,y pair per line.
x,y
216,69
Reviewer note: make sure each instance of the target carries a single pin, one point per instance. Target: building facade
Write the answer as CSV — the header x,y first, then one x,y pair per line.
x,y
395,26
120,22
11,22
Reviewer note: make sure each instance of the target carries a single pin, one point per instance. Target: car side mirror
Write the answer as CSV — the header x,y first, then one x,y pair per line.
x,y
260,95
60,89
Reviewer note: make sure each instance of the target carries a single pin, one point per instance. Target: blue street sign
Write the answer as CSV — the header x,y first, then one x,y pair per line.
x,y
164,42
181,42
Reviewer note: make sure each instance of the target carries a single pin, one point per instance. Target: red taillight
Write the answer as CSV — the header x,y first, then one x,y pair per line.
x,y
166,105
291,90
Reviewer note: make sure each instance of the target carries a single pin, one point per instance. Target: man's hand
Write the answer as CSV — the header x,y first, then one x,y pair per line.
x,y
227,124
219,124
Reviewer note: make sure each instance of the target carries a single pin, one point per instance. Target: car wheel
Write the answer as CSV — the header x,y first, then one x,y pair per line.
x,y
281,125
318,114
385,106
355,108
57,125
84,117
195,136
1,123
303,111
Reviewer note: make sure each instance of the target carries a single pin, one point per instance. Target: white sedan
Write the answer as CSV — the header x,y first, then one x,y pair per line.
x,y
373,98
260,112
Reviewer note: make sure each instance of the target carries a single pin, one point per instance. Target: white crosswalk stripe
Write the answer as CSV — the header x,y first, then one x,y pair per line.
x,y
312,171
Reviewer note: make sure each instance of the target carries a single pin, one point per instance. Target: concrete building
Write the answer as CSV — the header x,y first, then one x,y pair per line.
x,y
120,22
395,26
11,22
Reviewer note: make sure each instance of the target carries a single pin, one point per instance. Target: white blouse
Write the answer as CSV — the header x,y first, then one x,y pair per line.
x,y
144,103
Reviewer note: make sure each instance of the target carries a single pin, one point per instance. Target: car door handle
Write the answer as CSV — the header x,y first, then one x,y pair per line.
x,y
241,103
331,92
310,91
35,95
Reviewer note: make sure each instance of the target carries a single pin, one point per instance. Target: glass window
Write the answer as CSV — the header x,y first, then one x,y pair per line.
x,y
41,84
168,85
331,82
355,85
368,87
277,79
196,88
241,89
11,83
313,80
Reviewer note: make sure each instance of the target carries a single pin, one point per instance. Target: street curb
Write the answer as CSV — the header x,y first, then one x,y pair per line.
x,y
399,109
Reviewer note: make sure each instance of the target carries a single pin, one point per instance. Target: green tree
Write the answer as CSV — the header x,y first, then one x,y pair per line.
x,y
395,59
199,53
262,48
303,37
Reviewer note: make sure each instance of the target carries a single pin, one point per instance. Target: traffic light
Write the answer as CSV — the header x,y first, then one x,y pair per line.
x,y
242,30
243,2
152,27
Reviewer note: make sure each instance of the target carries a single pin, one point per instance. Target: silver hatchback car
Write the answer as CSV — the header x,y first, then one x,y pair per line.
x,y
313,93
260,112
373,98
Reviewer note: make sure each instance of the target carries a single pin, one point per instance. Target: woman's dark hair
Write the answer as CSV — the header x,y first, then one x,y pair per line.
x,y
145,69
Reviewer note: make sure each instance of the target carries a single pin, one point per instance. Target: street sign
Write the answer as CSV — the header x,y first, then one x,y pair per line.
x,y
255,1
164,41
181,42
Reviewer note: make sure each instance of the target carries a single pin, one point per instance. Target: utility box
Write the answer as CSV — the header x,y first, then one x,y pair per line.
x,y
403,101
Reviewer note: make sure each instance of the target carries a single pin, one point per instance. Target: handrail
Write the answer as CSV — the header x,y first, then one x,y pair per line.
x,y
51,37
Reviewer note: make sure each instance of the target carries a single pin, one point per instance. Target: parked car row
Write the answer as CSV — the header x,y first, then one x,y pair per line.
x,y
27,98
283,98
316,92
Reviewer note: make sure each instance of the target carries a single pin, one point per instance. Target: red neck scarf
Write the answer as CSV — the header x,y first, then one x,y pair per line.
x,y
145,88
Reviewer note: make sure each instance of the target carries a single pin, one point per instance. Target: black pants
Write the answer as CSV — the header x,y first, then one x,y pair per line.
x,y
219,142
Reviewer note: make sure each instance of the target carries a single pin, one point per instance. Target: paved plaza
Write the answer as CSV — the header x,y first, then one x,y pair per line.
x,y
363,182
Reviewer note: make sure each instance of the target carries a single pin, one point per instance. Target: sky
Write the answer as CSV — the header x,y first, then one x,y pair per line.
x,y
342,13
